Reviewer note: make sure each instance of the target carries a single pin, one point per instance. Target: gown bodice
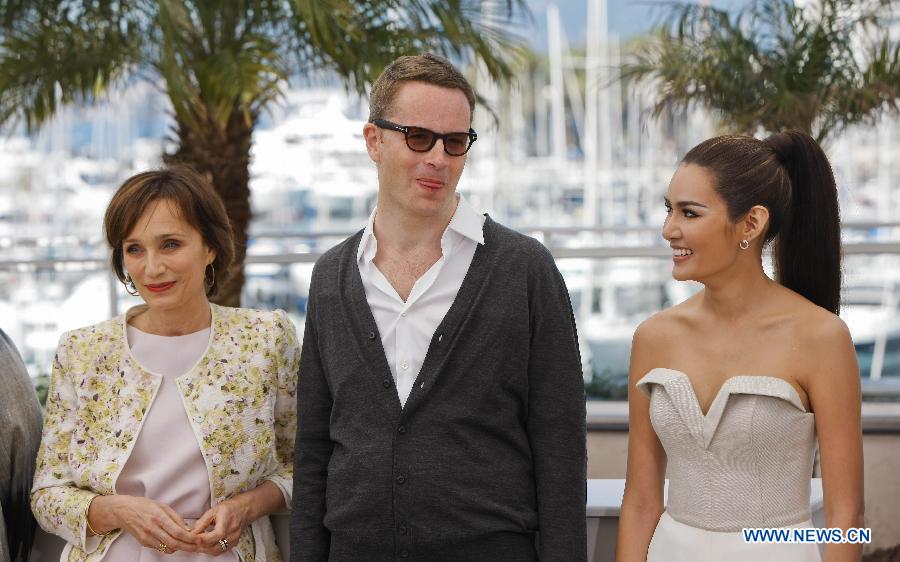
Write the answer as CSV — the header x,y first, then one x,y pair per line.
x,y
746,463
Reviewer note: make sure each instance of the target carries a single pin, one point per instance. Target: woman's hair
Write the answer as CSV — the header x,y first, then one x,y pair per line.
x,y
196,202
788,174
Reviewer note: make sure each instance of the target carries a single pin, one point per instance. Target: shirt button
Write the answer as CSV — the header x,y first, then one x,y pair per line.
x,y
404,553
198,418
217,460
404,365
386,383
403,314
403,530
401,430
401,479
371,335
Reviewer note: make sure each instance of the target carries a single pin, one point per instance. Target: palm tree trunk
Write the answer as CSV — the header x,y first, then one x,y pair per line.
x,y
224,157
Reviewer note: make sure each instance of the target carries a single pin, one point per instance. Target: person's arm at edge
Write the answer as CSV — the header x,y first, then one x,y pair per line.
x,y
20,414
642,504
286,367
310,540
59,506
834,394
556,414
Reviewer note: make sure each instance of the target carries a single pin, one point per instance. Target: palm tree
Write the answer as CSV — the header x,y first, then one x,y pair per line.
x,y
775,65
221,62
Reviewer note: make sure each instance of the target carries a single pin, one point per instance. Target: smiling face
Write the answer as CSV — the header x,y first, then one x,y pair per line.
x,y
704,241
419,184
166,258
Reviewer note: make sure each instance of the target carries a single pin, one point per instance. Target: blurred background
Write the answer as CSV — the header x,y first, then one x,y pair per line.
x,y
586,108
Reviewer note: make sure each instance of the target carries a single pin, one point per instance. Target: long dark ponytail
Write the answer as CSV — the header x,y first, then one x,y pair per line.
x,y
808,250
789,174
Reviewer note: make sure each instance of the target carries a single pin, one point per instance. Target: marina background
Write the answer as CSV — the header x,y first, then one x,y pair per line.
x,y
566,153
583,168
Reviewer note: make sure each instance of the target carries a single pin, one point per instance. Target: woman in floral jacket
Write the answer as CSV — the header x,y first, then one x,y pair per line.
x,y
169,431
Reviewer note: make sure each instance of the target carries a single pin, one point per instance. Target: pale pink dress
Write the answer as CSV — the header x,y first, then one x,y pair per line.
x,y
165,463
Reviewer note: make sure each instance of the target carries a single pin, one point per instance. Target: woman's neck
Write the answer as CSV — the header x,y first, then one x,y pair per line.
x,y
737,294
174,322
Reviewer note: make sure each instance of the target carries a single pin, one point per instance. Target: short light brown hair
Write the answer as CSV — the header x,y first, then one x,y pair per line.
x,y
428,68
194,198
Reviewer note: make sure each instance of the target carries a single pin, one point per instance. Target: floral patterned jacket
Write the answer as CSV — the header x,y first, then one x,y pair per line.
x,y
240,398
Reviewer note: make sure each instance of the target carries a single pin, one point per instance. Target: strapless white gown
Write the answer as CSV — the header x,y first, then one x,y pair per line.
x,y
747,463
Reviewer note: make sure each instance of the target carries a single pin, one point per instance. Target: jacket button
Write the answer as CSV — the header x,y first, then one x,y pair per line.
x,y
404,553
403,529
401,430
371,335
401,479
386,383
217,460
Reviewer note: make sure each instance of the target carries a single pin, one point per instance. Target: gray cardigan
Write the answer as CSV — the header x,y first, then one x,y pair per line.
x,y
489,449
20,435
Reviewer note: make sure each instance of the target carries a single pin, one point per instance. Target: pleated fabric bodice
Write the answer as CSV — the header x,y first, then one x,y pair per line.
x,y
746,463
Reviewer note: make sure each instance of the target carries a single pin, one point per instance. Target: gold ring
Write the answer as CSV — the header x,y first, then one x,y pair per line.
x,y
224,544
162,547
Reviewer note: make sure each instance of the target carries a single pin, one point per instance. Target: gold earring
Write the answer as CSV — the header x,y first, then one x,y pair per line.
x,y
744,244
129,286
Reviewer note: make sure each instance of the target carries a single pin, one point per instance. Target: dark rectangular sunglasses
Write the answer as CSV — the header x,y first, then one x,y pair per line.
x,y
419,139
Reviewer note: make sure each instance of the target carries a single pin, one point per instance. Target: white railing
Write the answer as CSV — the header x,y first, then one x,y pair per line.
x,y
648,244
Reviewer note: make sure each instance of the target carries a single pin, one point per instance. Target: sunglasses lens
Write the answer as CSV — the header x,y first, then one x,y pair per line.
x,y
420,139
456,144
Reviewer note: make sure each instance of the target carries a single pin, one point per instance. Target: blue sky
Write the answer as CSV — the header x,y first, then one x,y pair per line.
x,y
626,18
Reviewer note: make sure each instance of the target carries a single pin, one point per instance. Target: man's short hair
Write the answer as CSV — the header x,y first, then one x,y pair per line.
x,y
428,68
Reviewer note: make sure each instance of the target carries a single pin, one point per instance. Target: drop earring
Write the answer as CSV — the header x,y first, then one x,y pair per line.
x,y
210,279
129,286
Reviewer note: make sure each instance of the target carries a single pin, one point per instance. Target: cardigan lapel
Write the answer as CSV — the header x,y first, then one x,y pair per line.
x,y
358,316
445,337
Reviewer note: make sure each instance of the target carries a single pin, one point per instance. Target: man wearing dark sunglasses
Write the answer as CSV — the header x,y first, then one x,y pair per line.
x,y
441,400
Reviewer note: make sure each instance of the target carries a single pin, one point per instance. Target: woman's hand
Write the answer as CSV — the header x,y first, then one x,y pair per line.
x,y
154,524
227,521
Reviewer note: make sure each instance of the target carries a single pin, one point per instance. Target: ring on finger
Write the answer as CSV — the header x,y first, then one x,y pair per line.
x,y
224,544
162,547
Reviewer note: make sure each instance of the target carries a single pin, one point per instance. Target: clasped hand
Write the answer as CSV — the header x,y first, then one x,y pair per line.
x,y
223,521
156,525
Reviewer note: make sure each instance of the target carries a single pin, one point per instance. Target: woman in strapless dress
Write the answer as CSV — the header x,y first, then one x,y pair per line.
x,y
731,390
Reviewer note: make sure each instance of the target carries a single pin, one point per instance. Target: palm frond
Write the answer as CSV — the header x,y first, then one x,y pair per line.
x,y
771,65
358,39
221,63
217,59
51,56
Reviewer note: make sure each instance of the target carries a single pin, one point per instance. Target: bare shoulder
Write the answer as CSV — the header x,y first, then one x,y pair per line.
x,y
826,328
823,341
669,323
827,340
657,329
657,336
814,326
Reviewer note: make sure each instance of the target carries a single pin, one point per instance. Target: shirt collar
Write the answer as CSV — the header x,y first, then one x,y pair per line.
x,y
466,222
368,245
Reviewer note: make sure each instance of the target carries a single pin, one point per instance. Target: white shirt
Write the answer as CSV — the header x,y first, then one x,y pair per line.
x,y
406,328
